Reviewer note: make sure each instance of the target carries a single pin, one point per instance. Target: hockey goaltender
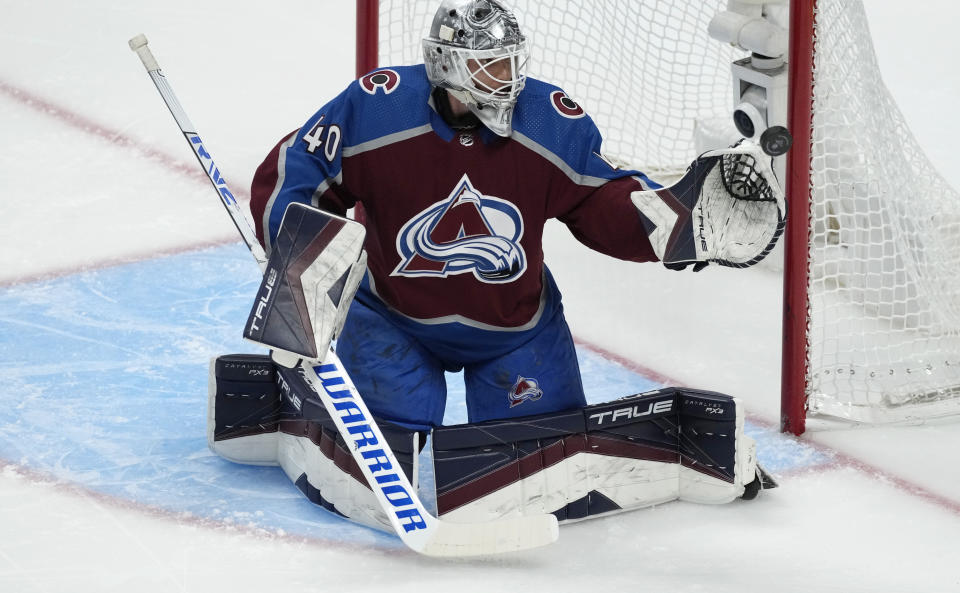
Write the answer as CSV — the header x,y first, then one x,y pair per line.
x,y
458,163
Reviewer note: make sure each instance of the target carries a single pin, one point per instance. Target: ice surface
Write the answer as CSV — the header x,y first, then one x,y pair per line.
x,y
105,480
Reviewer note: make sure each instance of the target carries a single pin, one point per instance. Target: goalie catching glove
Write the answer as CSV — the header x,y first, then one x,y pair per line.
x,y
727,209
309,282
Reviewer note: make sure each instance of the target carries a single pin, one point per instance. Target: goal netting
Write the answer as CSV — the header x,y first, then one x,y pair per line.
x,y
884,312
883,340
644,71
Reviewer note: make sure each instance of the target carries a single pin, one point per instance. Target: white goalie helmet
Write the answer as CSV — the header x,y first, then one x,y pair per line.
x,y
476,51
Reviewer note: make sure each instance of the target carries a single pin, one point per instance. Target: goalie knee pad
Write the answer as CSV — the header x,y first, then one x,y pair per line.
x,y
717,460
635,452
243,409
265,414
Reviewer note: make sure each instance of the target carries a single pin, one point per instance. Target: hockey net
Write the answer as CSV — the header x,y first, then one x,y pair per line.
x,y
884,244
881,333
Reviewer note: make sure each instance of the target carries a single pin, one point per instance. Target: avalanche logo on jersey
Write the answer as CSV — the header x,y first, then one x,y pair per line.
x,y
467,232
566,106
524,389
386,80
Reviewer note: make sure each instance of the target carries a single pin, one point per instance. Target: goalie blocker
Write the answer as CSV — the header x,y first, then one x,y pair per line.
x,y
311,277
634,452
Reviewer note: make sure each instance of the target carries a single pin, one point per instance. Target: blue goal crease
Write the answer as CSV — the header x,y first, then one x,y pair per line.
x,y
105,376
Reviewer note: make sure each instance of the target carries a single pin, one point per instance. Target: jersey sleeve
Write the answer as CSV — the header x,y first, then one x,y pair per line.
x,y
591,195
605,220
306,167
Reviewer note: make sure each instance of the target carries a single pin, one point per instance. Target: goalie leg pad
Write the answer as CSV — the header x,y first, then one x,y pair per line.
x,y
316,458
296,433
635,452
717,459
243,409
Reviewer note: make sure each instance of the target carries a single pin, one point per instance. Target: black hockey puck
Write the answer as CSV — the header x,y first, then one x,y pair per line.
x,y
776,141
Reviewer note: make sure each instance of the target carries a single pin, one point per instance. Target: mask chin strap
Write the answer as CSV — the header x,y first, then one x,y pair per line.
x,y
464,97
497,119
441,103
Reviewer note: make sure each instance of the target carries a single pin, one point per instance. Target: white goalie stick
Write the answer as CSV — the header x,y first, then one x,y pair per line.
x,y
418,529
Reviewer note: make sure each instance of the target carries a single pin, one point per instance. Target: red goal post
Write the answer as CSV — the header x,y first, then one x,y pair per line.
x,y
368,35
793,382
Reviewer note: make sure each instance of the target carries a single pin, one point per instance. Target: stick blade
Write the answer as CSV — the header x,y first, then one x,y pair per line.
x,y
485,539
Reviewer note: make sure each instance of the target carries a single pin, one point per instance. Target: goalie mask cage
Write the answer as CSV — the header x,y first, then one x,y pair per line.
x,y
871,293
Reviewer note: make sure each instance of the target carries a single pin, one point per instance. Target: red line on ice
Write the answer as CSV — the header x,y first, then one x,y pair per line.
x,y
118,138
119,260
838,459
13,470
84,124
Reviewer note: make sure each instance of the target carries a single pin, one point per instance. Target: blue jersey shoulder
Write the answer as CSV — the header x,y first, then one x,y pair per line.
x,y
380,103
553,120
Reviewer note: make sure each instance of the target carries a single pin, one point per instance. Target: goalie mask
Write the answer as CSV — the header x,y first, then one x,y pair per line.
x,y
476,52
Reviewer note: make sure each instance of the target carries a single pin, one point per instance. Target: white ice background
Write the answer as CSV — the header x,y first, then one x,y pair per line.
x,y
93,173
